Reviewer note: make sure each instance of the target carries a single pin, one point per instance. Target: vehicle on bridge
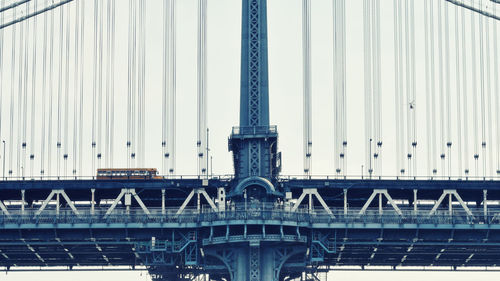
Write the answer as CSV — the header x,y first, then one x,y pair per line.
x,y
128,173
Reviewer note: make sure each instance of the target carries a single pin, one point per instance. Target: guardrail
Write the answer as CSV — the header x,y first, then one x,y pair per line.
x,y
279,214
229,177
134,178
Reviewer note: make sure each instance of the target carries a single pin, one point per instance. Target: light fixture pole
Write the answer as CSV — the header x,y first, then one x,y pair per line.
x,y
371,169
4,160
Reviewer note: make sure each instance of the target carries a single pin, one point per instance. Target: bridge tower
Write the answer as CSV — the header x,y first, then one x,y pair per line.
x,y
254,143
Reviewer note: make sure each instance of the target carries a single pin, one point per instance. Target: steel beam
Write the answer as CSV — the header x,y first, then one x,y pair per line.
x,y
380,192
57,193
450,193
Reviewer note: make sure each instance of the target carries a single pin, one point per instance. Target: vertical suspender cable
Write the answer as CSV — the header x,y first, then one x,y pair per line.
x,y
336,88
433,89
458,92
94,96
368,83
164,128
23,90
441,87
33,86
447,79
142,60
59,89
343,83
100,86
409,130
489,169
376,78
44,94
497,90
402,104
112,86
483,105
82,76
139,89
66,92
413,101
1,74
12,91
76,87
110,37
340,143
107,105
474,91
202,88
139,85
427,85
51,88
172,89
25,96
21,93
306,51
343,90
143,42
134,84
130,90
397,73
464,95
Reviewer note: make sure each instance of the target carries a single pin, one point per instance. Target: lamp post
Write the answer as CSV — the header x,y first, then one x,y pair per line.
x,y
370,170
4,160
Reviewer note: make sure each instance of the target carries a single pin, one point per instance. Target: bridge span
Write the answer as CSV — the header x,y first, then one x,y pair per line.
x,y
175,227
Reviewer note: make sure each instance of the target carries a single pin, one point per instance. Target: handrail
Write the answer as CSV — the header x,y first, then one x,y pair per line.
x,y
278,213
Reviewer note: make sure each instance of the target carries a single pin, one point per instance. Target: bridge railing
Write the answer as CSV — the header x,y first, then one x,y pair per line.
x,y
388,177
135,178
229,177
278,214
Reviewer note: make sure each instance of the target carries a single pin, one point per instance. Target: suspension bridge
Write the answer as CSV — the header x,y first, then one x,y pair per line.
x,y
70,201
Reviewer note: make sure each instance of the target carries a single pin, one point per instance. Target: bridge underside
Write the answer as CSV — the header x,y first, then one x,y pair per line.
x,y
179,229
354,247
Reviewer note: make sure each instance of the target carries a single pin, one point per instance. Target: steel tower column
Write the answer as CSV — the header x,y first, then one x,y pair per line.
x,y
254,142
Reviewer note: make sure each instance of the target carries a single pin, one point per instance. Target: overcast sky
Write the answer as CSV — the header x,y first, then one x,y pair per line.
x,y
285,74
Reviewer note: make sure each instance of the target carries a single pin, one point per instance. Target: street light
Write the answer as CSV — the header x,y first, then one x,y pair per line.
x,y
4,160
370,170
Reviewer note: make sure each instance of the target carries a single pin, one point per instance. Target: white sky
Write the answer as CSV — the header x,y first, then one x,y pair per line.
x,y
285,64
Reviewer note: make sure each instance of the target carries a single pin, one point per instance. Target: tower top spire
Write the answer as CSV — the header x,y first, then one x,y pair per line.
x,y
254,93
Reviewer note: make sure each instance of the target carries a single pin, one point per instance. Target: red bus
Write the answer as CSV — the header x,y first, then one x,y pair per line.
x,y
125,173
